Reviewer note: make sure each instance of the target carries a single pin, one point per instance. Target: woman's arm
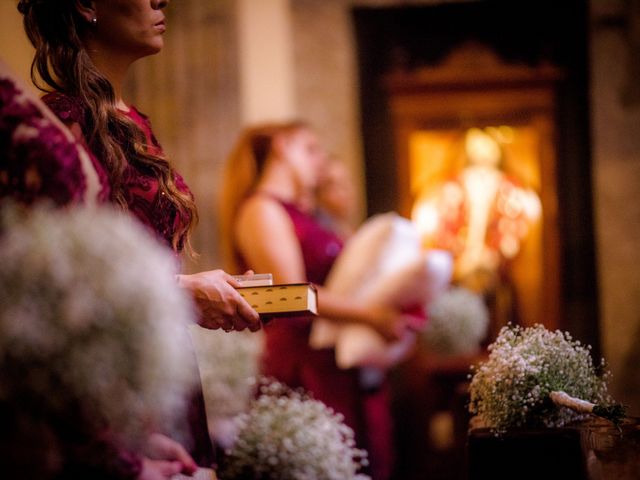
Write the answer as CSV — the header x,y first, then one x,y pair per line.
x,y
266,239
387,321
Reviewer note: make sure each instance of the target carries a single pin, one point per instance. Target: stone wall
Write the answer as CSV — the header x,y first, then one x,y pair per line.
x,y
15,49
616,169
326,80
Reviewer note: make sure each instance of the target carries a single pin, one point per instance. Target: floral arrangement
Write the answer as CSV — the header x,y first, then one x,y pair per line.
x,y
458,322
92,323
285,435
229,364
535,377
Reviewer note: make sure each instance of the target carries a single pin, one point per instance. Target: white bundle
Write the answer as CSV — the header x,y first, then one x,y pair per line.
x,y
382,264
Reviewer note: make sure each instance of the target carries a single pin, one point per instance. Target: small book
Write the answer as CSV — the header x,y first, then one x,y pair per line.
x,y
284,300
256,280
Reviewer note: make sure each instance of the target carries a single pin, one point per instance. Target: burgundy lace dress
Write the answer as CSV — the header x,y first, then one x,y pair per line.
x,y
140,188
160,216
289,358
39,160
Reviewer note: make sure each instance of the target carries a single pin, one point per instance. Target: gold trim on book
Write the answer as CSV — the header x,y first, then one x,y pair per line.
x,y
282,300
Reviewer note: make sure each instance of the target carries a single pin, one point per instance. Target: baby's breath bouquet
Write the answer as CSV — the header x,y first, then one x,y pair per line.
x,y
92,323
229,364
535,377
458,322
285,435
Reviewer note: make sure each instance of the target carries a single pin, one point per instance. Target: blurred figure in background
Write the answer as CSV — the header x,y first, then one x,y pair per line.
x,y
270,176
336,198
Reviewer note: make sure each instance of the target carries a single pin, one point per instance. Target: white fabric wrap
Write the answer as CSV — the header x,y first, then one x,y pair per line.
x,y
382,264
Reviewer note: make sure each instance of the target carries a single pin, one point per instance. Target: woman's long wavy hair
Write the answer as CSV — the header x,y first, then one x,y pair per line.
x,y
55,28
243,170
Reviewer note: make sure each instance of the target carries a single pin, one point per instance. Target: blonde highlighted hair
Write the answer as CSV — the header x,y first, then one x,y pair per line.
x,y
243,170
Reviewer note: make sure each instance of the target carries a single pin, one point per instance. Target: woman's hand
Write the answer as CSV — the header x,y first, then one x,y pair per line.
x,y
220,304
392,323
165,458
161,447
159,469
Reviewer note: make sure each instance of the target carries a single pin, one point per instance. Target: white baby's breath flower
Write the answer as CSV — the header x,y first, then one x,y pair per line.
x,y
91,315
512,388
286,435
229,364
457,322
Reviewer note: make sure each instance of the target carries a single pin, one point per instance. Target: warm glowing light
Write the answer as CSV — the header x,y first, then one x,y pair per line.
x,y
426,217
503,134
482,215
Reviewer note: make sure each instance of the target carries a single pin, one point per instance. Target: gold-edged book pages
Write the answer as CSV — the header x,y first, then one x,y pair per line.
x,y
284,300
201,474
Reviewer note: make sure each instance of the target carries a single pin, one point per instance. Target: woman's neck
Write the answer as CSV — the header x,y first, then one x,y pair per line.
x,y
113,66
277,180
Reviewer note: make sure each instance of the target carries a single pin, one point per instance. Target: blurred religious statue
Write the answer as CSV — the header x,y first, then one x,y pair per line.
x,y
481,215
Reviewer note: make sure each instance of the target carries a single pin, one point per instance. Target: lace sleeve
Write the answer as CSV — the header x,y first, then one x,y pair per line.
x,y
68,109
39,158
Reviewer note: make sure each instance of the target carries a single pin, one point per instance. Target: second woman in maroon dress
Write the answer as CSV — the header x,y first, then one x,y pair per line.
x,y
270,177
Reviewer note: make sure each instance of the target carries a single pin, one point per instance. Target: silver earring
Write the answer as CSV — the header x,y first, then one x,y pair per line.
x,y
94,21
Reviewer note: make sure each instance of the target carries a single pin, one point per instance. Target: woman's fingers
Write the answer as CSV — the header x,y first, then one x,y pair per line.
x,y
243,316
159,469
247,314
232,281
160,447
238,316
220,304
169,468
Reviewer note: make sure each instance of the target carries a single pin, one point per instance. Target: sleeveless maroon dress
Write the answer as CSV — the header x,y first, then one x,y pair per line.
x,y
289,358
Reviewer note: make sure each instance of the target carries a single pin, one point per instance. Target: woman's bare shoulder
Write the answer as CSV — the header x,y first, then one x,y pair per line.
x,y
262,216
258,208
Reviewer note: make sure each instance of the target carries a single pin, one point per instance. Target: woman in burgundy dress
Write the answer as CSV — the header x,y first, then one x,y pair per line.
x,y
83,52
270,177
41,160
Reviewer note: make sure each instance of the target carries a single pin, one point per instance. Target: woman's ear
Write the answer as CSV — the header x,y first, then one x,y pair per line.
x,y
87,10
